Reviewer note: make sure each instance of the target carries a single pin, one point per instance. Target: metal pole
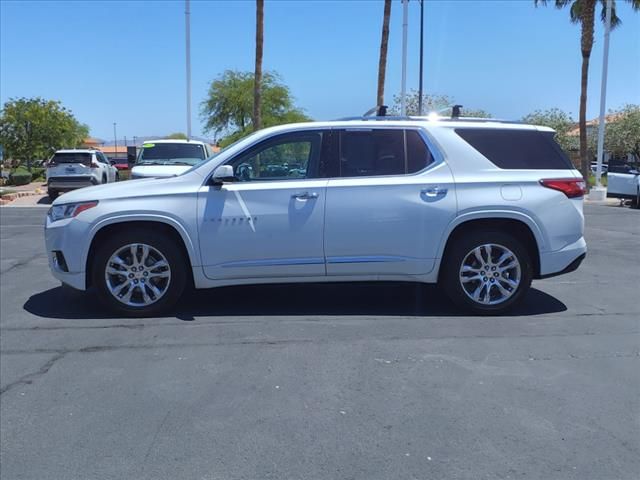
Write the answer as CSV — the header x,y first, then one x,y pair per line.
x,y
403,92
187,21
115,141
603,95
421,55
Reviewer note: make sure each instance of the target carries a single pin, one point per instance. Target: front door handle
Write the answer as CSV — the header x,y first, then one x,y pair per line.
x,y
434,191
304,195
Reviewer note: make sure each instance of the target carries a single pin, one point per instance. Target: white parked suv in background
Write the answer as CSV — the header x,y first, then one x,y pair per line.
x,y
480,207
167,158
77,168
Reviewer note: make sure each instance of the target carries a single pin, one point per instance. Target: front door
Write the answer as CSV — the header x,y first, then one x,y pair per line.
x,y
269,221
387,210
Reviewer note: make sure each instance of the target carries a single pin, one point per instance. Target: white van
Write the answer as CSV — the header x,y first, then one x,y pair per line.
x,y
166,158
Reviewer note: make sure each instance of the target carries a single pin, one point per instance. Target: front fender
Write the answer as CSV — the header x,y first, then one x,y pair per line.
x,y
192,249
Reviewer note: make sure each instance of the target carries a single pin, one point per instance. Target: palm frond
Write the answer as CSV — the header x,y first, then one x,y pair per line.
x,y
615,20
575,13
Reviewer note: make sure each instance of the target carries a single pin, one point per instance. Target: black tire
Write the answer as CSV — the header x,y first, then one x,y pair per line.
x,y
53,194
104,179
117,177
636,203
456,254
163,244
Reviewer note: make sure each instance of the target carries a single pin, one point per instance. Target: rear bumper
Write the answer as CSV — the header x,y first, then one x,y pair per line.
x,y
70,183
564,260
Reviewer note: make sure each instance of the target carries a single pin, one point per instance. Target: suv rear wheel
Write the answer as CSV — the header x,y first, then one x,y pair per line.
x,y
487,272
139,273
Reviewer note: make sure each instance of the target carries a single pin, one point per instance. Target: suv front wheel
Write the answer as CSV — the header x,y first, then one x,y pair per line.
x,y
139,272
487,272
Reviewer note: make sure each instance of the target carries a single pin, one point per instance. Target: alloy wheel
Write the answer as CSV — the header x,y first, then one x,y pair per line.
x,y
490,274
137,275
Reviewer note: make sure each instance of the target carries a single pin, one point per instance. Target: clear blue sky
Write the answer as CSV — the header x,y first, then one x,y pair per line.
x,y
124,62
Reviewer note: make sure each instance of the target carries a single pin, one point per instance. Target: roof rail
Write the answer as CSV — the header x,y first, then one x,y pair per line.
x,y
430,118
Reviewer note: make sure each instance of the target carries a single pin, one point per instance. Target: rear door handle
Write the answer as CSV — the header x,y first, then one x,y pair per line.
x,y
434,191
304,195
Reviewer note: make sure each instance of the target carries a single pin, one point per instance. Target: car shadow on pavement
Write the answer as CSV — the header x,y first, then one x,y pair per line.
x,y
378,299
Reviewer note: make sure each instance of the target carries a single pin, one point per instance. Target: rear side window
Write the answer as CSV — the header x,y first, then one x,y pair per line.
x,y
377,152
517,149
71,157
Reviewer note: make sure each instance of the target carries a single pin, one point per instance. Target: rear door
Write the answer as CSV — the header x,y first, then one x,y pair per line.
x,y
390,201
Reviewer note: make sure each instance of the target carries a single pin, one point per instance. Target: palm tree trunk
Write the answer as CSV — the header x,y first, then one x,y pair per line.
x,y
384,43
257,77
586,44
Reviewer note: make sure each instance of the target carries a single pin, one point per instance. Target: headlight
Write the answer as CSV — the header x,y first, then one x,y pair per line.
x,y
70,210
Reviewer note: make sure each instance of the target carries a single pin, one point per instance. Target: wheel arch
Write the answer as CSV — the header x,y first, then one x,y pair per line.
x,y
160,224
519,225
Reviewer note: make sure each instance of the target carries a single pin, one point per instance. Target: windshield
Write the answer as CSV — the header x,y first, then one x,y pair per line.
x,y
171,154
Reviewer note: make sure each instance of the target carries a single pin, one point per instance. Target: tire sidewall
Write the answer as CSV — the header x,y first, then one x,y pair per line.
x,y
460,249
164,245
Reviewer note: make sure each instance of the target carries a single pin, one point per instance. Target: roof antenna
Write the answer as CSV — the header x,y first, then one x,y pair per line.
x,y
382,111
455,112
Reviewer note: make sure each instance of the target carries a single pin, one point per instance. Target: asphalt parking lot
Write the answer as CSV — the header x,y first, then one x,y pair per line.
x,y
370,381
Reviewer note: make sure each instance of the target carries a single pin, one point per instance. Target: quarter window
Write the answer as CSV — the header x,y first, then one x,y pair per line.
x,y
376,152
286,157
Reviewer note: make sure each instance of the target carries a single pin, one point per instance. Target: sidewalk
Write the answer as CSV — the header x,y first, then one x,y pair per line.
x,y
38,189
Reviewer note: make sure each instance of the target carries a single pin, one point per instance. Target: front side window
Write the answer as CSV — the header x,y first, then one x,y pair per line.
x,y
380,152
286,157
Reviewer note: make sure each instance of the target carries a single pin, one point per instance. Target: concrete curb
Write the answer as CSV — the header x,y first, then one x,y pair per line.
x,y
10,197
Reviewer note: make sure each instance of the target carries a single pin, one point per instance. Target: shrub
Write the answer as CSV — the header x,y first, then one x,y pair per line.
x,y
20,176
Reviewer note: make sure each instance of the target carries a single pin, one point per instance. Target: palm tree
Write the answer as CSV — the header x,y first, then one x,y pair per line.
x,y
384,43
257,78
583,12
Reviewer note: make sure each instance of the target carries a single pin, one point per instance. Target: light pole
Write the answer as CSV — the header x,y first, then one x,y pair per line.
x,y
421,55
187,22
603,98
115,140
403,89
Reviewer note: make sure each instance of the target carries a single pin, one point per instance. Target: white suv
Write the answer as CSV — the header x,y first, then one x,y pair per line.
x,y
167,158
481,207
77,168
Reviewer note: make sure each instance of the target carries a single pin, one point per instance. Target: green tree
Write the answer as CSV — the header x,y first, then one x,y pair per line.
x,y
433,103
584,12
32,128
621,132
228,107
560,121
177,136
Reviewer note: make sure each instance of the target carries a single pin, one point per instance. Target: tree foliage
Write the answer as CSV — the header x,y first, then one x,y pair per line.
x,y
432,103
177,136
560,121
32,128
228,107
621,132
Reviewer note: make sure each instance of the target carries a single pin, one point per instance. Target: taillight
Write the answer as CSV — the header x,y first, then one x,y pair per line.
x,y
571,187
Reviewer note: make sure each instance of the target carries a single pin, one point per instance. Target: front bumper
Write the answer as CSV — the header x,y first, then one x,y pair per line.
x,y
68,237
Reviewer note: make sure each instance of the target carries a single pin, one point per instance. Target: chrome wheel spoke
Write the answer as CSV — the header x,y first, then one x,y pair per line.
x,y
165,274
469,268
145,296
478,254
508,266
145,254
154,289
508,281
158,264
470,279
115,271
134,254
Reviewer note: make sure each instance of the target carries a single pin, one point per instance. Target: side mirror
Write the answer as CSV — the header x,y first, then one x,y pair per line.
x,y
634,172
112,162
224,173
